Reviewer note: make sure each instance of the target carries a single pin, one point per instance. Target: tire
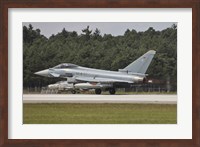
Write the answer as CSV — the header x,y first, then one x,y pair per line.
x,y
73,92
98,91
112,91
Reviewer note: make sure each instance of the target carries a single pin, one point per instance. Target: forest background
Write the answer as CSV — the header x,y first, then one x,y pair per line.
x,y
102,51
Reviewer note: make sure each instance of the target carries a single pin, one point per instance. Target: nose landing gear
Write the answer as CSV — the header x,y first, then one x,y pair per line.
x,y
73,91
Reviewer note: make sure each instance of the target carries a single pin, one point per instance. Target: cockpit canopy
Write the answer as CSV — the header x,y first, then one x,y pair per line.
x,y
65,65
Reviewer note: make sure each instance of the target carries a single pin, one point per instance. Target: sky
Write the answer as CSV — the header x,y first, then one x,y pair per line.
x,y
114,28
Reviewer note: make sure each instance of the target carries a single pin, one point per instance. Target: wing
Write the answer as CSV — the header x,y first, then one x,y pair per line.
x,y
101,80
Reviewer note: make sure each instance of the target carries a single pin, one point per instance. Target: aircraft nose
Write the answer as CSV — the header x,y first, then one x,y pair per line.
x,y
43,73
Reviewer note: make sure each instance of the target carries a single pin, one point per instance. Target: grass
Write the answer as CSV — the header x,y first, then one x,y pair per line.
x,y
99,114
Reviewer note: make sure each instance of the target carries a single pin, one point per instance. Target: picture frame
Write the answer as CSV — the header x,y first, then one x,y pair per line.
x,y
6,4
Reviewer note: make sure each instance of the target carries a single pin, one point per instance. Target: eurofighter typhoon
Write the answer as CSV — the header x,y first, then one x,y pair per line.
x,y
90,78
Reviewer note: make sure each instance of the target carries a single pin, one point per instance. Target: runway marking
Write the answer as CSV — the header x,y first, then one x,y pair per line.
x,y
87,98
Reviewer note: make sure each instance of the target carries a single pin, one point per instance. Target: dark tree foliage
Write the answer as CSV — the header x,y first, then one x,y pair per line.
x,y
99,51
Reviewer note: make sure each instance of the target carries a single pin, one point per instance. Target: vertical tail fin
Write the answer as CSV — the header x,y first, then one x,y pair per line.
x,y
141,64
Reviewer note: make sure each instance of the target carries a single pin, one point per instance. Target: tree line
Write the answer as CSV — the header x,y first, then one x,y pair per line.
x,y
96,50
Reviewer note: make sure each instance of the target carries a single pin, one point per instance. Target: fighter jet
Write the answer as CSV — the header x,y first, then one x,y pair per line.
x,y
83,77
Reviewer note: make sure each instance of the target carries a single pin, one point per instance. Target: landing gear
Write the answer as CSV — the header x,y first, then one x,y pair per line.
x,y
112,90
73,91
98,91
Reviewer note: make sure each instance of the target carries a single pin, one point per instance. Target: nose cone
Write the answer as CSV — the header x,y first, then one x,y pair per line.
x,y
44,73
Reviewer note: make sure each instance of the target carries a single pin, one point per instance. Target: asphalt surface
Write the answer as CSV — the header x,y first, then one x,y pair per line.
x,y
87,98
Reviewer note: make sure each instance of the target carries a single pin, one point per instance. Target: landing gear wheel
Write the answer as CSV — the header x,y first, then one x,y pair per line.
x,y
73,92
112,91
98,91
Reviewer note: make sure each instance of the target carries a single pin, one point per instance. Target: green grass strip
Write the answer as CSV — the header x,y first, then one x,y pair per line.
x,y
99,114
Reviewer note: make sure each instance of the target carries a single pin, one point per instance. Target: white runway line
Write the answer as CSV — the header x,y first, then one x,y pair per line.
x,y
87,98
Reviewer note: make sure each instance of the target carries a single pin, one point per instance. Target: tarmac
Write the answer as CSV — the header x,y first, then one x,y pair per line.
x,y
88,98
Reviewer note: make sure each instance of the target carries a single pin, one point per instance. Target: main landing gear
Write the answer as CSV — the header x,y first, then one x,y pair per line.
x,y
98,91
111,91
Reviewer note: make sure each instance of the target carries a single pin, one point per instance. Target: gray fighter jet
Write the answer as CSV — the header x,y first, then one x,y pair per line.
x,y
83,77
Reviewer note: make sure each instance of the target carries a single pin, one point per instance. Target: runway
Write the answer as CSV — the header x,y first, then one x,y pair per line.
x,y
87,98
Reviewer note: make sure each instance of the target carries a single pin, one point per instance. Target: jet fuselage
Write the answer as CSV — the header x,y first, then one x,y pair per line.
x,y
96,73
